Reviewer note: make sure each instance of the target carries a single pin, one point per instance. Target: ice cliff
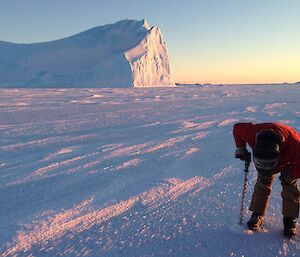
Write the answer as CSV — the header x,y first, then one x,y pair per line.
x,y
124,54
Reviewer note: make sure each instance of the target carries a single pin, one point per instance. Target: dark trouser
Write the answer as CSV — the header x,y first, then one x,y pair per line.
x,y
290,195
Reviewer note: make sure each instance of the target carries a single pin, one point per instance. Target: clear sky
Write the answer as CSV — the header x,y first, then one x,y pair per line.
x,y
209,41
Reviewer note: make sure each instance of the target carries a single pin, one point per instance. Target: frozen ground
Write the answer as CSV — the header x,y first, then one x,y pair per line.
x,y
133,172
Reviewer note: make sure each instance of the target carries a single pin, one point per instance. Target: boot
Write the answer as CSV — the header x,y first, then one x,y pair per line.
x,y
290,229
255,222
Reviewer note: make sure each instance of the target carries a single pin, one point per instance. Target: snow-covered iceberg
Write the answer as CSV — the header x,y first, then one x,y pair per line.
x,y
124,54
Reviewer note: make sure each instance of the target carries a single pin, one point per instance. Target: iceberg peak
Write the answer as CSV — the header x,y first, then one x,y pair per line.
x,y
145,24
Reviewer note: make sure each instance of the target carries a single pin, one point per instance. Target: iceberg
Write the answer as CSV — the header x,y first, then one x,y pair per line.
x,y
128,53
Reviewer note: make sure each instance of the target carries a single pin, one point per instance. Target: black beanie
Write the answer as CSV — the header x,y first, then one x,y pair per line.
x,y
267,145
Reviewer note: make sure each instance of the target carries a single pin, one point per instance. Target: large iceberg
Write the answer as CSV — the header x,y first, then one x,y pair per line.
x,y
124,54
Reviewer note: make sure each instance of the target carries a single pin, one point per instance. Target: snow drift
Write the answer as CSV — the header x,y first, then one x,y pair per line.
x,y
127,53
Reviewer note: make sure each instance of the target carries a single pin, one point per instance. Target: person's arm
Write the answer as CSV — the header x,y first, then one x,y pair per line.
x,y
238,132
241,151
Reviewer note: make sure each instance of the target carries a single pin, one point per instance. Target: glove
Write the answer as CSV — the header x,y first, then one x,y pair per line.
x,y
243,154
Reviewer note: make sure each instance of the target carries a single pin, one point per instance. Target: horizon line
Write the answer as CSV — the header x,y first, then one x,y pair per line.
x,y
258,83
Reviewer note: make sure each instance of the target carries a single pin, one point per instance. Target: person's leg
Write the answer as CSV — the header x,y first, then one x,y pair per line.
x,y
261,194
290,204
290,196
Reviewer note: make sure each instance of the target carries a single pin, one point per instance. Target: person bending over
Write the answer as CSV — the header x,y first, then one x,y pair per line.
x,y
276,149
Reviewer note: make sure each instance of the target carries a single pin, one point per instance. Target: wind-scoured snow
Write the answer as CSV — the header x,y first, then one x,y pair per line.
x,y
124,54
134,172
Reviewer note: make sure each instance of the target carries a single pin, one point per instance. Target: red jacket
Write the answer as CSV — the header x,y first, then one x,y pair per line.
x,y
290,147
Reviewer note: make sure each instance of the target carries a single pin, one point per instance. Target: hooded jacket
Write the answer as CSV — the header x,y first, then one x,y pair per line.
x,y
245,133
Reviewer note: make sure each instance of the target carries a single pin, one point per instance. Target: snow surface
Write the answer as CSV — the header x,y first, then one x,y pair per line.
x,y
124,54
134,172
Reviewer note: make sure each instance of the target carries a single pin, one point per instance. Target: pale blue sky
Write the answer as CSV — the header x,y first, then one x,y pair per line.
x,y
213,41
